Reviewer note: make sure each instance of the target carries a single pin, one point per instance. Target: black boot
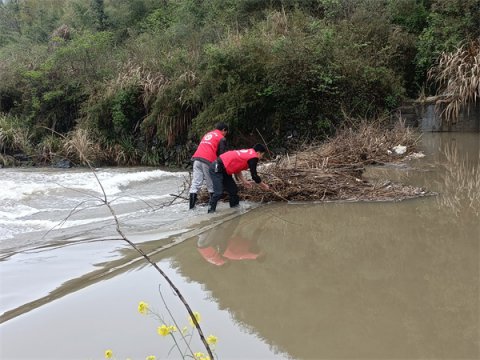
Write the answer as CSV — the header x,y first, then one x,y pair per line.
x,y
234,201
193,200
211,196
212,208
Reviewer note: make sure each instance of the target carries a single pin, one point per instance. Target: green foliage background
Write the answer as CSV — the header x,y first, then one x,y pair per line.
x,y
146,78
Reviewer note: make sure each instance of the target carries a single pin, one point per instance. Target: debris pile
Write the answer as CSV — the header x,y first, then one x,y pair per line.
x,y
333,170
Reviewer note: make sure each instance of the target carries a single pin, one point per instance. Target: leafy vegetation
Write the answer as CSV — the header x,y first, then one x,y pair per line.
x,y
143,79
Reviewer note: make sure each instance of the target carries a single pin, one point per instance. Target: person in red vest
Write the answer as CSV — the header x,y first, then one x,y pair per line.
x,y
233,163
211,146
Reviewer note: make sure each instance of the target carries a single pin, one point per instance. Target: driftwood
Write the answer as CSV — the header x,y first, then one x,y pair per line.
x,y
333,170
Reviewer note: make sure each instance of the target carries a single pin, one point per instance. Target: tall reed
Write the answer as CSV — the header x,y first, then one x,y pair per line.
x,y
457,75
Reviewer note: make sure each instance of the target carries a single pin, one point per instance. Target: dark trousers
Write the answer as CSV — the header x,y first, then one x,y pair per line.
x,y
222,181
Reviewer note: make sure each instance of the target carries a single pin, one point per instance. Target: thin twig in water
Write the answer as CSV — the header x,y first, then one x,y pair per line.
x,y
105,202
70,214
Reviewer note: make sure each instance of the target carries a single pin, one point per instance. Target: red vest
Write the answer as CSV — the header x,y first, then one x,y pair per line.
x,y
207,149
237,160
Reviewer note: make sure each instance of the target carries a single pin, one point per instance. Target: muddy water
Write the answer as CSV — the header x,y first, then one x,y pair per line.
x,y
385,280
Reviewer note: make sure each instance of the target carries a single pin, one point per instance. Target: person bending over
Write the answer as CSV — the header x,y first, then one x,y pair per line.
x,y
233,163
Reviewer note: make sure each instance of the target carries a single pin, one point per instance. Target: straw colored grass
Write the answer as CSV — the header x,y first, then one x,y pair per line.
x,y
457,75
333,170
80,146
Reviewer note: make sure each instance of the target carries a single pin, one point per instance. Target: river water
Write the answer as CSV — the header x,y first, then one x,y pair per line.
x,y
372,280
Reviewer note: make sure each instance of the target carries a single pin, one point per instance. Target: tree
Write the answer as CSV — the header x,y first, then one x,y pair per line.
x,y
99,14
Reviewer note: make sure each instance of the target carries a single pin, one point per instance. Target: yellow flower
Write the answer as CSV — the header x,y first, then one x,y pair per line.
x,y
197,317
143,308
172,328
184,330
163,330
150,357
108,354
212,339
201,356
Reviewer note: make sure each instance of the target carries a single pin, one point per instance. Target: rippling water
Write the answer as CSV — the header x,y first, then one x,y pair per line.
x,y
309,281
39,199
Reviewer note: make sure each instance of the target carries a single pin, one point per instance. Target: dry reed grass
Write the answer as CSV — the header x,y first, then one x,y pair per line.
x,y
174,126
333,170
458,77
152,87
133,75
80,146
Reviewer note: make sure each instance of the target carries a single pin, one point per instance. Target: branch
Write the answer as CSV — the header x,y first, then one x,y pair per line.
x,y
105,202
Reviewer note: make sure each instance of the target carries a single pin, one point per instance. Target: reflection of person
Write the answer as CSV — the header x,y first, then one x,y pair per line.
x,y
234,248
233,163
211,146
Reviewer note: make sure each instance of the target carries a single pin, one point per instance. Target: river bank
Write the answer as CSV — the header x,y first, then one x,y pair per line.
x,y
327,171
364,279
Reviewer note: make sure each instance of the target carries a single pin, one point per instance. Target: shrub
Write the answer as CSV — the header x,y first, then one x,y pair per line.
x,y
49,148
14,136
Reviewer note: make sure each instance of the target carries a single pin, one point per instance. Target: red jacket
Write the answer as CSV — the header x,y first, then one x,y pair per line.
x,y
207,149
237,160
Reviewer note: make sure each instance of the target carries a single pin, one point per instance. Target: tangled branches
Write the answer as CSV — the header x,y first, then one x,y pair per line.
x,y
333,170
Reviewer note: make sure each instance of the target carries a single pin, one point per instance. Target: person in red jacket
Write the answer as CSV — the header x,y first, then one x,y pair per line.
x,y
211,146
233,163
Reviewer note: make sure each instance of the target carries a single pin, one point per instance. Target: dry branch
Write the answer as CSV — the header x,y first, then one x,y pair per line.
x,y
333,170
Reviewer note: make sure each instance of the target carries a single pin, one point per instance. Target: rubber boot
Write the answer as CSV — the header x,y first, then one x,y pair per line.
x,y
212,208
193,200
234,201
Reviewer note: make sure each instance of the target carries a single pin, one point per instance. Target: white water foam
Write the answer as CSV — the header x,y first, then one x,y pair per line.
x,y
38,199
19,185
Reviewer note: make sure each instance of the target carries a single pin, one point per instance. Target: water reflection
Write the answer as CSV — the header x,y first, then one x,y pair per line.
x,y
392,280
228,242
363,280
461,176
451,168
